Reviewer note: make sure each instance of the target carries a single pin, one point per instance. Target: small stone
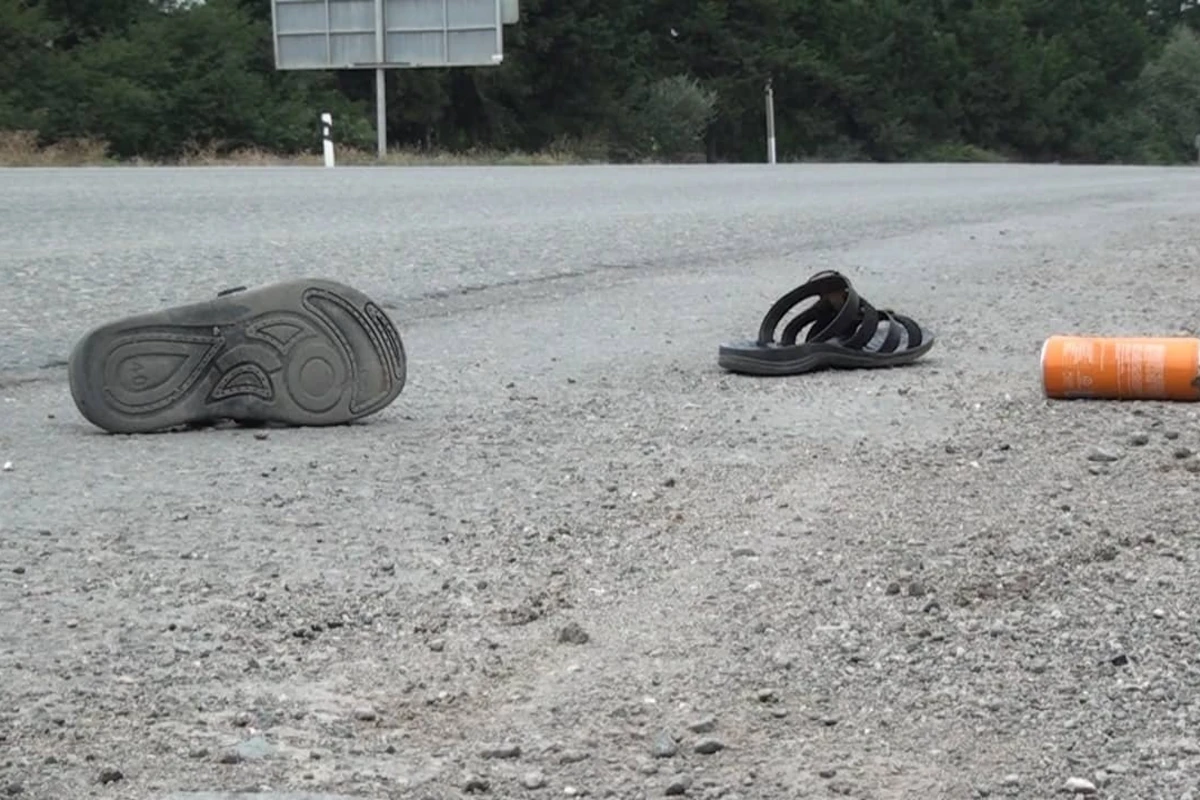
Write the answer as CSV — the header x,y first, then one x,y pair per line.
x,y
533,780
744,552
679,785
437,645
766,696
1100,455
1011,779
1158,613
365,714
827,773
1183,452
570,791
1080,786
13,789
916,589
252,749
892,588
572,757
501,751
476,785
262,436
573,633
704,725
242,719
8,467
1171,435
18,570
663,745
1139,439
709,746
111,775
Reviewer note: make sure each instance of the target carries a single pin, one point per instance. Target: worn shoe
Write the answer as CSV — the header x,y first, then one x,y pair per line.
x,y
303,352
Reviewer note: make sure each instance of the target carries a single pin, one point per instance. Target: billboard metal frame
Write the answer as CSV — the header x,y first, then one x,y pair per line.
x,y
350,36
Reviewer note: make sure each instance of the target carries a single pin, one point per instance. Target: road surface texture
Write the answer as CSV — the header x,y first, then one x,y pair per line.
x,y
575,559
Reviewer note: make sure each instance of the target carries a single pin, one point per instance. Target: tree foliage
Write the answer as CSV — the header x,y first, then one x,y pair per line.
x,y
1088,80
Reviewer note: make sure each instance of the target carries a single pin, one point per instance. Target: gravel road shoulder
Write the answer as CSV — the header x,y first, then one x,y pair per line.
x,y
574,559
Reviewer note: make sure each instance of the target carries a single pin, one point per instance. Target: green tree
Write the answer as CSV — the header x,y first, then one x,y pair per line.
x,y
1169,111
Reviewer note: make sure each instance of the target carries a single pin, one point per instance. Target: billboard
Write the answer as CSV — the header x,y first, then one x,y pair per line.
x,y
389,34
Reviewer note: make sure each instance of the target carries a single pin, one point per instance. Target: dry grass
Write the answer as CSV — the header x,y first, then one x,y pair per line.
x,y
21,149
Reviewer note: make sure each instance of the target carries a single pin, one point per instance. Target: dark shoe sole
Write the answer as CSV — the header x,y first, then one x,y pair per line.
x,y
772,360
306,352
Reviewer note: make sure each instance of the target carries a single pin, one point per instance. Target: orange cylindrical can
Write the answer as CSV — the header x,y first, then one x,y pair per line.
x,y
1121,368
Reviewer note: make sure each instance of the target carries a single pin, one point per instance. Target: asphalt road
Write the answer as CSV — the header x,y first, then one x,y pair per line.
x,y
911,583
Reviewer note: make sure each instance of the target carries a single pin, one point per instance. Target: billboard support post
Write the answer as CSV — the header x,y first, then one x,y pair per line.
x,y
380,81
381,112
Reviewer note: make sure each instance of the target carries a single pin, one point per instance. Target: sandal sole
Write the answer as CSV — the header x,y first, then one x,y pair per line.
x,y
301,353
753,359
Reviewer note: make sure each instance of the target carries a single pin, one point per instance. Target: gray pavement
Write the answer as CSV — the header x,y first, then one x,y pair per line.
x,y
912,583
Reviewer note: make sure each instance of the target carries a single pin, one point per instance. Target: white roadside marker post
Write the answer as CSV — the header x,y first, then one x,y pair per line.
x,y
327,137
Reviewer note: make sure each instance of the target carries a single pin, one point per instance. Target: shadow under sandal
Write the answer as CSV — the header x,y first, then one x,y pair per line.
x,y
844,331
303,352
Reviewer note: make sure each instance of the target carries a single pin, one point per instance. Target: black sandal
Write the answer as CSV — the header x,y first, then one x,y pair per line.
x,y
844,332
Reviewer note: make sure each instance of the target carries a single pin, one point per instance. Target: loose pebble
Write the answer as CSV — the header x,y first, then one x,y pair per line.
x,y
573,633
663,745
502,751
1102,455
111,775
1080,786
679,785
474,784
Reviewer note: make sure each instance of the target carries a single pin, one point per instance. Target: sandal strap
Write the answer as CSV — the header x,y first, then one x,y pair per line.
x,y
822,283
854,324
902,334
828,321
868,324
